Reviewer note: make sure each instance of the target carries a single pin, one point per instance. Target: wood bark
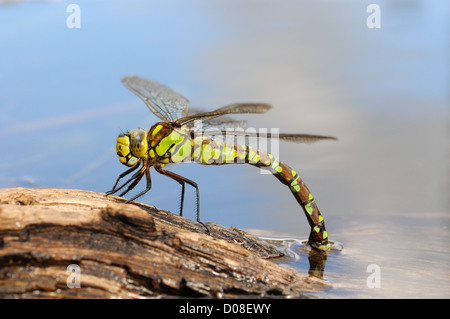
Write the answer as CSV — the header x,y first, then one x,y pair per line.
x,y
55,239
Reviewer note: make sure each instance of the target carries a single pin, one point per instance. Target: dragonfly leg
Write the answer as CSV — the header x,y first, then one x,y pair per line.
x,y
182,198
136,181
128,171
135,175
182,180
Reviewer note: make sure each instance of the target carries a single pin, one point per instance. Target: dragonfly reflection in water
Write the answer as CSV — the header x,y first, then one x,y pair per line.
x,y
175,140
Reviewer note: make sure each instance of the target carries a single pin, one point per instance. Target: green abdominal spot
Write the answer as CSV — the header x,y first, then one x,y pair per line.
x,y
309,209
228,154
183,153
210,153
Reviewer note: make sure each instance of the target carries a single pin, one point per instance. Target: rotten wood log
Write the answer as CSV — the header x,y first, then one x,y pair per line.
x,y
65,243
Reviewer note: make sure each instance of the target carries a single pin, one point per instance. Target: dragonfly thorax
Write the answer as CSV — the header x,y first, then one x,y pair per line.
x,y
132,146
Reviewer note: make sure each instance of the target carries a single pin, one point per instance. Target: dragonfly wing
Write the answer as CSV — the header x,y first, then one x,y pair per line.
x,y
165,103
221,123
239,108
295,138
304,138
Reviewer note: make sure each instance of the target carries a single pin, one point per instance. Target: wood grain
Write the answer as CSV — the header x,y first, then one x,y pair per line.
x,y
129,251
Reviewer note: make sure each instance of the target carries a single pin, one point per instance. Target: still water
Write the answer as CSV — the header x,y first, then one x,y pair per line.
x,y
382,187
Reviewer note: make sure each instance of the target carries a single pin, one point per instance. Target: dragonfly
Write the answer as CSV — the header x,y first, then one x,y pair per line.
x,y
177,139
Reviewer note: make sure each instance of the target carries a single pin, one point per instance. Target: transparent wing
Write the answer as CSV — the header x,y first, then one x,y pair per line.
x,y
218,126
165,103
171,106
239,108
220,123
295,138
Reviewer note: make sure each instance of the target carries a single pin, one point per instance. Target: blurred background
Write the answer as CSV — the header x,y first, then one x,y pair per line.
x,y
382,188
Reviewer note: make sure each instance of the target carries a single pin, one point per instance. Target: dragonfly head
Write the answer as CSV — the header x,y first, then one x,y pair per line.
x,y
132,146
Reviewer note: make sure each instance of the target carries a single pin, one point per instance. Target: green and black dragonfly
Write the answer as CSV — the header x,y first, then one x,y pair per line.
x,y
175,140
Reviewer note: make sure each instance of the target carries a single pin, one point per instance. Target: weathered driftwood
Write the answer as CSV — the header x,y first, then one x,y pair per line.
x,y
54,239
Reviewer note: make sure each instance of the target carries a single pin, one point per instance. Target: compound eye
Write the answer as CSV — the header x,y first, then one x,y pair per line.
x,y
138,143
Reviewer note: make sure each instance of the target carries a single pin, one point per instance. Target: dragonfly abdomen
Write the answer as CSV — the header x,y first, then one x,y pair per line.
x,y
289,177
214,152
